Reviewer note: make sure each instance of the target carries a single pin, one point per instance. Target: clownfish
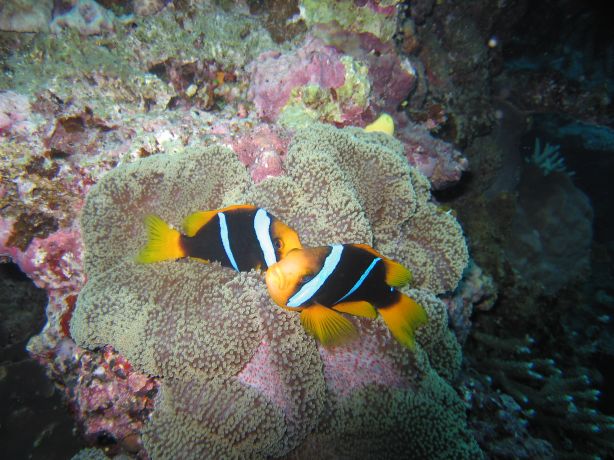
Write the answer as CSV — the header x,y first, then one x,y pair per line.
x,y
325,281
240,237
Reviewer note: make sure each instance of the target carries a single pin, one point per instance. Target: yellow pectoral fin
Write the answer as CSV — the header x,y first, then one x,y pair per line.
x,y
327,326
360,308
163,244
403,318
197,220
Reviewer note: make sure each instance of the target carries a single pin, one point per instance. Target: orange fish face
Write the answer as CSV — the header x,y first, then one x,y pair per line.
x,y
285,239
285,277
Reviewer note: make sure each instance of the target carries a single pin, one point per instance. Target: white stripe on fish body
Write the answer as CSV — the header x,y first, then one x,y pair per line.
x,y
226,240
262,227
312,286
361,280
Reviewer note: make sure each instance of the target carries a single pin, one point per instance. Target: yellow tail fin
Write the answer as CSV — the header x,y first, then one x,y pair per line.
x,y
163,242
403,318
326,325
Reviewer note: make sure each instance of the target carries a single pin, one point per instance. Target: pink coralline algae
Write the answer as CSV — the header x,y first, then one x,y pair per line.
x,y
109,399
261,150
76,133
53,263
436,159
108,396
14,114
87,17
477,290
392,77
275,75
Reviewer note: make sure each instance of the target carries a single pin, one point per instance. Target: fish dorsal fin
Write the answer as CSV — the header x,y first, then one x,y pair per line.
x,y
197,220
403,318
359,308
396,274
369,249
238,207
327,326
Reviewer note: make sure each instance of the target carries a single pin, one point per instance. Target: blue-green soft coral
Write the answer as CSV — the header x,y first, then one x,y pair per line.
x,y
239,376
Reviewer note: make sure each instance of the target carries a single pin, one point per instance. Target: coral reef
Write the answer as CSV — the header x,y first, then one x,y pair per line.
x,y
147,7
337,77
559,405
87,17
549,159
192,104
550,206
498,422
275,76
476,290
262,150
15,111
181,321
437,160
25,15
392,76
374,17
280,18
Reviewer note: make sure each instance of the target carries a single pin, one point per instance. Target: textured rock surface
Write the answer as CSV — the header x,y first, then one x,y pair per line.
x,y
25,15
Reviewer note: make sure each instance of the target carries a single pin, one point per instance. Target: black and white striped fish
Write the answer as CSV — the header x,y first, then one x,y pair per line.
x,y
325,281
239,236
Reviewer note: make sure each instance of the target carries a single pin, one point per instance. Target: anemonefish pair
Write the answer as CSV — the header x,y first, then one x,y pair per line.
x,y
242,237
319,282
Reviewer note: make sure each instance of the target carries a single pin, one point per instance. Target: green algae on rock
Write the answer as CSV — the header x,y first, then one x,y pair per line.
x,y
311,102
351,17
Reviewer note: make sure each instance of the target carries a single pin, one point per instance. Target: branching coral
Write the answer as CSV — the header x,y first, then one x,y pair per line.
x,y
549,159
239,376
559,406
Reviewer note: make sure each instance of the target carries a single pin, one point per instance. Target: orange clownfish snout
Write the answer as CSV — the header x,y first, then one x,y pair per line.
x,y
283,278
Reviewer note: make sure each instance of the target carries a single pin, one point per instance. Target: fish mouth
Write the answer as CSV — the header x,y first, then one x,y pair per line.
x,y
275,278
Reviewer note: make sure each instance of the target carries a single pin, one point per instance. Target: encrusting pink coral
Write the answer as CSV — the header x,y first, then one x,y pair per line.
x,y
436,159
261,150
14,113
275,75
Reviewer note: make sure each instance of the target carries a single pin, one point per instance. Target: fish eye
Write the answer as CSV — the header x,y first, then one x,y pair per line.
x,y
278,243
306,279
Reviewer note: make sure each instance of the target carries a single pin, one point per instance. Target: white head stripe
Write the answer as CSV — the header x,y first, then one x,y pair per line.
x,y
312,286
262,226
225,240
361,280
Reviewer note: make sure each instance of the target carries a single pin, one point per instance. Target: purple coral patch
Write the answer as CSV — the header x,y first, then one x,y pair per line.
x,y
275,75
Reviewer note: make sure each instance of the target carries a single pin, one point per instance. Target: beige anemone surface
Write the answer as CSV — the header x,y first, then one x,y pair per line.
x,y
239,376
